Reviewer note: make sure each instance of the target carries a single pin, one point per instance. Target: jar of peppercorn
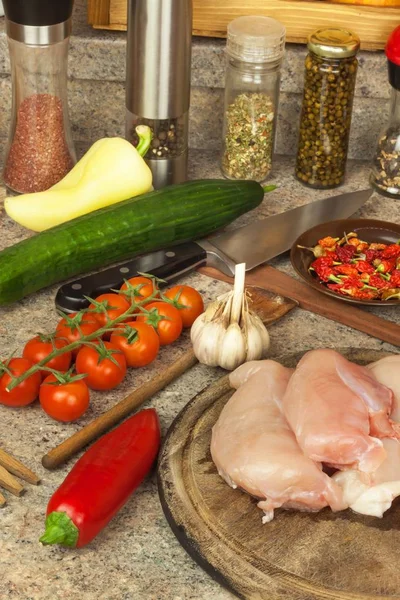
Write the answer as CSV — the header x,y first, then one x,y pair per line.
x,y
254,52
330,76
385,176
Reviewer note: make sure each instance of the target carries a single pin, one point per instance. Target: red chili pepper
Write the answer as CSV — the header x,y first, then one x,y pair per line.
x,y
391,251
323,267
378,282
371,255
395,279
328,242
346,270
387,265
102,480
364,267
345,253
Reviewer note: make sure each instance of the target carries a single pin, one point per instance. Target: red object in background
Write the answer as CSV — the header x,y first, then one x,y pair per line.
x,y
102,481
392,48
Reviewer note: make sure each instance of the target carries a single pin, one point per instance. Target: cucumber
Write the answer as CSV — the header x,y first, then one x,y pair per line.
x,y
174,214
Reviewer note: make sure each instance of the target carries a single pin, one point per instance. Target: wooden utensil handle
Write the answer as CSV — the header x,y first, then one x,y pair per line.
x,y
107,420
309,299
3,501
17,468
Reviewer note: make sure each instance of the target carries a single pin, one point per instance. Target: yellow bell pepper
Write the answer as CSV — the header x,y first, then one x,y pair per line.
x,y
111,171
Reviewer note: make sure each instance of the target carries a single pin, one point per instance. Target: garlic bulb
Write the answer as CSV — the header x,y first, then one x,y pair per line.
x,y
228,334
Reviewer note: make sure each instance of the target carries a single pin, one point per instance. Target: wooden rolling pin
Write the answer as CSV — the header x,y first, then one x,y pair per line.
x,y
309,299
120,411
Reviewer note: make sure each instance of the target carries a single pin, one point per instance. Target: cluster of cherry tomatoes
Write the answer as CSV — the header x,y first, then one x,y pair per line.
x,y
101,364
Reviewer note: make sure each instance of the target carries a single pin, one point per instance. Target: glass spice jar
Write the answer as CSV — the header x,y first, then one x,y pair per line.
x,y
40,150
385,176
254,51
330,76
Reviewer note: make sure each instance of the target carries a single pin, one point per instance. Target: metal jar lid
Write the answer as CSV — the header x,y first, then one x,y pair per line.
x,y
333,42
256,39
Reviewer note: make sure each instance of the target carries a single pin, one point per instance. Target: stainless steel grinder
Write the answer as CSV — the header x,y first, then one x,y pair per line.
x,y
158,83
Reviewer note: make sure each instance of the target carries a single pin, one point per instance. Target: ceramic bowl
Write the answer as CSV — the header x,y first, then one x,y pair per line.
x,y
369,230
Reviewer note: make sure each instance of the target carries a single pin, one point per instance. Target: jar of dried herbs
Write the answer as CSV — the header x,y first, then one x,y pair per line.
x,y
330,76
254,51
385,176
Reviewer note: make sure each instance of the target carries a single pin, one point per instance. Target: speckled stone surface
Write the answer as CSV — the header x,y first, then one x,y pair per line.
x,y
137,556
97,90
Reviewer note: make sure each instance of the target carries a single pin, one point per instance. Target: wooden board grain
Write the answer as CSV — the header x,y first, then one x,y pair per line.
x,y
298,556
210,18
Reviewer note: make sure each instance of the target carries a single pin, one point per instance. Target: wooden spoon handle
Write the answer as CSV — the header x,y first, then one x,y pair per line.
x,y
309,299
3,501
15,467
90,432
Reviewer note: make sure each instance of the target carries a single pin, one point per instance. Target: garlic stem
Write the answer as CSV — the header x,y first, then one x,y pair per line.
x,y
238,290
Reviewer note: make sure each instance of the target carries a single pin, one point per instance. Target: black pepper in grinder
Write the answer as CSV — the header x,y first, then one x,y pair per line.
x,y
158,83
40,150
385,176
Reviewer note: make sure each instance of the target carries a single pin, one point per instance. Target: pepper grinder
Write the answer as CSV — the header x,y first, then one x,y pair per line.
x,y
40,150
158,83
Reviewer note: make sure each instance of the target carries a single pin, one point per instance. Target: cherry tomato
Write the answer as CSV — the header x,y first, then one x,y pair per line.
x,y
138,342
64,402
140,287
115,305
188,301
165,319
27,391
39,347
105,366
74,326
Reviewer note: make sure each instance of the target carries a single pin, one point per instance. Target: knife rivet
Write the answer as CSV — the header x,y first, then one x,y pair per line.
x,y
124,270
170,254
76,286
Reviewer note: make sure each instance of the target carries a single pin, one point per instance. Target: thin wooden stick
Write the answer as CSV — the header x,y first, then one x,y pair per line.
x,y
16,467
8,482
121,410
3,501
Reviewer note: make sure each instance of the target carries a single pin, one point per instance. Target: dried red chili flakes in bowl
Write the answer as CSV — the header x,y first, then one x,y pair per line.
x,y
361,265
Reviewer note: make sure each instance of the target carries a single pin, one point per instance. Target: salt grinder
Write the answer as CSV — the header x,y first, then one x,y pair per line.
x,y
40,150
158,83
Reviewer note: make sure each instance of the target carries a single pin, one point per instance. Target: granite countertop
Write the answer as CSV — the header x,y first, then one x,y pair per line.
x,y
137,555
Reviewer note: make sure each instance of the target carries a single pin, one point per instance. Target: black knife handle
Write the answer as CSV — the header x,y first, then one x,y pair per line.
x,y
169,264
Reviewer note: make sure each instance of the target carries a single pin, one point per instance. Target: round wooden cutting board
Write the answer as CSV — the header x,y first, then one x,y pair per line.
x,y
298,556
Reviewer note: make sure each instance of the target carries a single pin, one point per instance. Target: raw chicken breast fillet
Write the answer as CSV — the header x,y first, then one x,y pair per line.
x,y
254,448
387,372
373,495
328,403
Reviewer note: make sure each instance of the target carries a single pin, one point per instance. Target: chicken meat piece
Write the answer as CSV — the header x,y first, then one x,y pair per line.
x,y
387,372
255,450
377,396
326,406
373,495
240,375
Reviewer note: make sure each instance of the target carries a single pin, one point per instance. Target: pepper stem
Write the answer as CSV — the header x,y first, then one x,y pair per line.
x,y
145,134
268,188
60,530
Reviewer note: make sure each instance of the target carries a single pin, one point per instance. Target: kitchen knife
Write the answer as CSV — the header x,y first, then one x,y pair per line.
x,y
252,244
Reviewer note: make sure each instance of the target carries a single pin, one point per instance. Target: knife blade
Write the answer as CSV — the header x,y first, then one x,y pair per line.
x,y
252,244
